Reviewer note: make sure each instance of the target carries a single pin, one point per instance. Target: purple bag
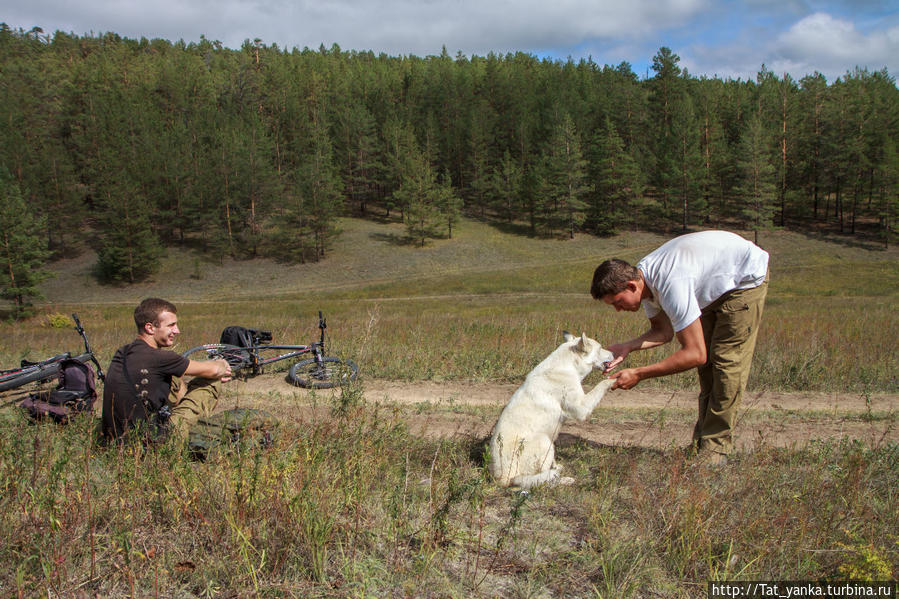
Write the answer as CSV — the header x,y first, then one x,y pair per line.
x,y
75,393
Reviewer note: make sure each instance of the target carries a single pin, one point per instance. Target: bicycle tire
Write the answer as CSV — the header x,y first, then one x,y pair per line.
x,y
237,357
39,373
332,372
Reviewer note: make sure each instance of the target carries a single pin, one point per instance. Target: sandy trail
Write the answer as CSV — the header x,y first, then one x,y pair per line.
x,y
642,418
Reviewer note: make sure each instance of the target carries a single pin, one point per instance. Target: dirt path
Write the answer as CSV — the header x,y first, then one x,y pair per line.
x,y
644,418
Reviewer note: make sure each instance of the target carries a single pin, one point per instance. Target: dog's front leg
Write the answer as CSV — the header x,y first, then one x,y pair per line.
x,y
581,410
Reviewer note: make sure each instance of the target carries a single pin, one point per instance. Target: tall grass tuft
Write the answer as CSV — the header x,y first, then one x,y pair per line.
x,y
347,503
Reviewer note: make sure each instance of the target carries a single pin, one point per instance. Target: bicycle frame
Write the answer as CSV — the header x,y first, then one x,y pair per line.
x,y
293,351
317,350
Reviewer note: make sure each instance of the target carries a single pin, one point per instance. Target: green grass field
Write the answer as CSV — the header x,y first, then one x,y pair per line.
x,y
350,503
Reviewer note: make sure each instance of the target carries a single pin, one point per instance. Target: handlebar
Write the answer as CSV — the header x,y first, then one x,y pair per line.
x,y
87,347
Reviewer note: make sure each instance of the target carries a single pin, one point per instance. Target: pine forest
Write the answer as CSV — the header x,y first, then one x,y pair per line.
x,y
135,145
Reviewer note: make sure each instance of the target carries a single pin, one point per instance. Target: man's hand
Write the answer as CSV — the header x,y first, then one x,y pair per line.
x,y
626,379
226,375
620,351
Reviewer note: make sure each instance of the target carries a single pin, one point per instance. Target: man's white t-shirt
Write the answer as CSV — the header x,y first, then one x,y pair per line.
x,y
690,272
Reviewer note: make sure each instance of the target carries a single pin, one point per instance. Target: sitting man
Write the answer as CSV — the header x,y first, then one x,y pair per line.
x,y
708,290
143,385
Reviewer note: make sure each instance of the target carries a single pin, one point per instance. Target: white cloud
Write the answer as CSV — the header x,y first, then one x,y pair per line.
x,y
837,41
393,26
817,42
837,45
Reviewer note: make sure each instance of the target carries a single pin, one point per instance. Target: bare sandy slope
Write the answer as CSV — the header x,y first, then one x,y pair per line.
x,y
644,418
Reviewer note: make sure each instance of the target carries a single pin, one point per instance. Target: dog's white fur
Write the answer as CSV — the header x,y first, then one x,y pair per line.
x,y
521,446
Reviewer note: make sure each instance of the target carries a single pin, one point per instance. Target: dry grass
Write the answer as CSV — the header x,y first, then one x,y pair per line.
x,y
349,504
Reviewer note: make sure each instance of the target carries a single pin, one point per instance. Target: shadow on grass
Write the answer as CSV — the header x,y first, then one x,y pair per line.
x,y
512,228
393,239
568,446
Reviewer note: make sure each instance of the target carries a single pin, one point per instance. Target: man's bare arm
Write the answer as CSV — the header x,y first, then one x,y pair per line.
x,y
691,354
209,369
660,332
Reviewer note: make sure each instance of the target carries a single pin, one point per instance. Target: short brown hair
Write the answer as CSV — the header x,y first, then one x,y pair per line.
x,y
149,311
611,277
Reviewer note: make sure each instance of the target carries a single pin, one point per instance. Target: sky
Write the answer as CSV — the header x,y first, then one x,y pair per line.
x,y
728,39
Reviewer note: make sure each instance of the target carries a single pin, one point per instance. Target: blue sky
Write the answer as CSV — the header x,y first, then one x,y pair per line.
x,y
725,39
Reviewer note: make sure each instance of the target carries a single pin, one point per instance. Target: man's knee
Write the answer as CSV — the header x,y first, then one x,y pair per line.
x,y
199,401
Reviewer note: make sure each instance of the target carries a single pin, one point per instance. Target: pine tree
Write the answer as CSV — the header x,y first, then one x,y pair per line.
x,y
320,186
360,165
666,93
714,152
33,105
448,202
810,139
777,98
617,182
757,190
688,189
505,188
478,172
129,247
566,179
402,156
22,251
420,194
889,192
533,198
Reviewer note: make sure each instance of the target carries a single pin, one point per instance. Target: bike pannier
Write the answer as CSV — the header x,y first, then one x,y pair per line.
x,y
76,392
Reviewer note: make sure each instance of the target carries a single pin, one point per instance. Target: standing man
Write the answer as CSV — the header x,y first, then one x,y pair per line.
x,y
143,385
708,290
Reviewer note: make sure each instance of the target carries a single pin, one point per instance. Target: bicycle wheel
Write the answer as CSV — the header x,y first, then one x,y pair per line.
x,y
39,372
332,372
237,357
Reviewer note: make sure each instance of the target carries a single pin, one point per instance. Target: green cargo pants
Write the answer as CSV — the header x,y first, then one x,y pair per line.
x,y
730,326
198,402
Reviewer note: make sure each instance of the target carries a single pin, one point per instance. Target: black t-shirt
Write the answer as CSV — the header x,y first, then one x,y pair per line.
x,y
151,371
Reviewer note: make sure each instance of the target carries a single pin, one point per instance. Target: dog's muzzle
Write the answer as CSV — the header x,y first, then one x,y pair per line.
x,y
605,365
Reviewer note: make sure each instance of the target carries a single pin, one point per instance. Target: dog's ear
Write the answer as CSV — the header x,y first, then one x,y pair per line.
x,y
567,336
582,344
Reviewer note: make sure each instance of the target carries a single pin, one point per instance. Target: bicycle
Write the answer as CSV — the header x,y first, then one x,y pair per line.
x,y
29,372
318,372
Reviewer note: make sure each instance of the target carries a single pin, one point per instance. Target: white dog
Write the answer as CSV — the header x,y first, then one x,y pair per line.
x,y
521,447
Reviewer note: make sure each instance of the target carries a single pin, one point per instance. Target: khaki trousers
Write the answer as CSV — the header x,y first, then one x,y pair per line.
x,y
198,402
730,326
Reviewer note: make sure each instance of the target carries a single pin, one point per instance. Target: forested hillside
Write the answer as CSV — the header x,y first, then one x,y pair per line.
x,y
137,144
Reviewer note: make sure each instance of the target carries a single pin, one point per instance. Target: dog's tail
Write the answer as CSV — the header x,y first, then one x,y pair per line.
x,y
529,481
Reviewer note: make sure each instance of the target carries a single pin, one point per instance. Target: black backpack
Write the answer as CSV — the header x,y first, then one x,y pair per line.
x,y
244,337
75,393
